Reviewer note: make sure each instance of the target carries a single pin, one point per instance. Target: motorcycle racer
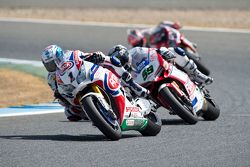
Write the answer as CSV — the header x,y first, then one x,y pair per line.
x,y
73,113
56,60
134,60
175,25
164,34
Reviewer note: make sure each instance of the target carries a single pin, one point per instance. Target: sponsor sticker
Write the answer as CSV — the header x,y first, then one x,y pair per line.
x,y
113,81
132,109
135,114
130,122
67,65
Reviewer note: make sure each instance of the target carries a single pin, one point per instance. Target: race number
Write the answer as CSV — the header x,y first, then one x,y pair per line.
x,y
147,72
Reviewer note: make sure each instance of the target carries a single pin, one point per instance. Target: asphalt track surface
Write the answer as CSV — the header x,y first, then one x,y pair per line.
x,y
158,4
50,140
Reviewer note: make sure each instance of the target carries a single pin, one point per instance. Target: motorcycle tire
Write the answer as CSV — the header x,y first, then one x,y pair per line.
x,y
178,107
90,105
154,125
201,67
212,112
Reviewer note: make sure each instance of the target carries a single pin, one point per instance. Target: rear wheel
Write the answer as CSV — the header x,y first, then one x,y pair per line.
x,y
154,125
104,120
181,108
212,112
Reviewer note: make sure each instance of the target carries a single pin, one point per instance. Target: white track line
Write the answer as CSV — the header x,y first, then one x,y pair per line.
x,y
123,25
32,113
20,61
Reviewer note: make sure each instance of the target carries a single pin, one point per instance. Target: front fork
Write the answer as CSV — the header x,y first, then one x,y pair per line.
x,y
173,85
104,100
95,88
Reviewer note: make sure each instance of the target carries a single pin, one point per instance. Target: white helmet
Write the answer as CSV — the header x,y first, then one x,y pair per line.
x,y
48,57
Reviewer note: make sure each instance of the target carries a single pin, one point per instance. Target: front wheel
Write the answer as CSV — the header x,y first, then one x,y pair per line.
x,y
212,112
101,118
181,108
154,125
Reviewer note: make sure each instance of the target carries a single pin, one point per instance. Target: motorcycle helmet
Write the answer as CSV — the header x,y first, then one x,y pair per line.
x,y
158,35
59,58
135,38
120,52
175,25
48,57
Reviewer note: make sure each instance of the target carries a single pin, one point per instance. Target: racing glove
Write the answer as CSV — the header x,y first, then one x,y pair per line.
x,y
135,87
96,57
166,53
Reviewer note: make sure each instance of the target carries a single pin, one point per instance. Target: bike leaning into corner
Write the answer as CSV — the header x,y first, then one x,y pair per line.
x,y
173,89
105,102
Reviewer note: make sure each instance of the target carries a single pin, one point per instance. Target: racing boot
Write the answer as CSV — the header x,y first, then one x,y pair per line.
x,y
135,87
195,74
74,113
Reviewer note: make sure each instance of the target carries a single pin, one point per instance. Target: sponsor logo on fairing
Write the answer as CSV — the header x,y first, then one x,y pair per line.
x,y
135,115
132,109
194,101
142,64
113,81
130,122
66,66
111,84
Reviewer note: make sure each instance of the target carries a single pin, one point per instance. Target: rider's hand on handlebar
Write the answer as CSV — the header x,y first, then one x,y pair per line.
x,y
96,58
166,53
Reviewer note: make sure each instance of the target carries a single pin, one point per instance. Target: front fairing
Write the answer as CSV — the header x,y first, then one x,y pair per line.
x,y
72,80
149,69
193,91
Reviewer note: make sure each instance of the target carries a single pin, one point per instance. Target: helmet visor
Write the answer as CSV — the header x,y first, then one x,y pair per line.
x,y
50,66
59,58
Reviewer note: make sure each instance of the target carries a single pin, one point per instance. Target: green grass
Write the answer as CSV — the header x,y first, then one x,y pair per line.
x,y
36,71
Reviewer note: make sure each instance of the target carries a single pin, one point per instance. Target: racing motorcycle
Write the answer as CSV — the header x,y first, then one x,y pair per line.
x,y
91,88
173,89
176,39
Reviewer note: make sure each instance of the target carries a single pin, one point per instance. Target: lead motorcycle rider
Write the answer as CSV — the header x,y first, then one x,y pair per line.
x,y
153,37
53,58
157,37
133,60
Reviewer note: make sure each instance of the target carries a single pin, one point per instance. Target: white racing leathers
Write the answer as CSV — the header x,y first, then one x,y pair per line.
x,y
73,112
140,55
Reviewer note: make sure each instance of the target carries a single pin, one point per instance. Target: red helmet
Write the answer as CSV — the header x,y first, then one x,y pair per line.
x,y
135,38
